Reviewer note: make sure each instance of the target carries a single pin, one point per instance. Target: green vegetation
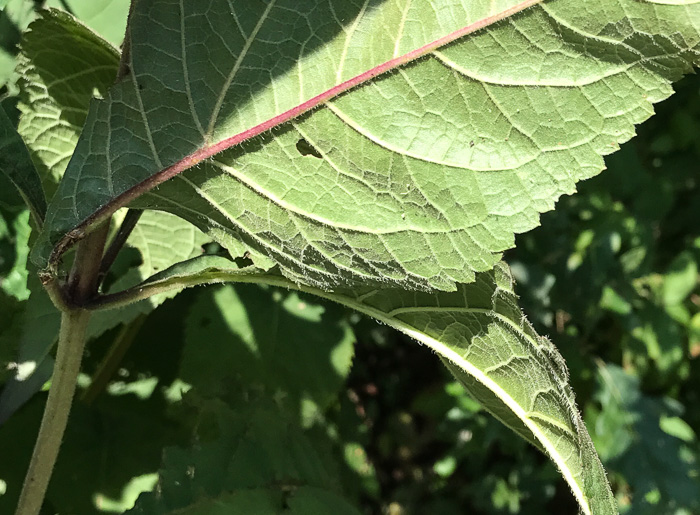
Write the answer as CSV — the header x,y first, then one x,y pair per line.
x,y
343,205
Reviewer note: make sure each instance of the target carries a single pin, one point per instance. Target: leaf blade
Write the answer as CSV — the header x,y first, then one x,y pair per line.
x,y
429,239
484,339
511,362
477,16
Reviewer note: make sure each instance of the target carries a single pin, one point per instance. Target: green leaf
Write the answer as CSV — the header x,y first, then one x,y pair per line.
x,y
681,278
483,337
63,65
674,2
16,164
13,279
268,337
248,459
106,17
629,432
425,171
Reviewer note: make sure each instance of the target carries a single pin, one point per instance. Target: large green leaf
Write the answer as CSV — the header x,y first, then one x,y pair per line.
x,y
455,138
483,337
271,338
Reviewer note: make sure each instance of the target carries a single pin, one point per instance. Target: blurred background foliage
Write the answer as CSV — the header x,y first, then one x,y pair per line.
x,y
256,397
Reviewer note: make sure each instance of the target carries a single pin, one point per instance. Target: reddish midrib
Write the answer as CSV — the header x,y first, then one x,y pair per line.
x,y
191,160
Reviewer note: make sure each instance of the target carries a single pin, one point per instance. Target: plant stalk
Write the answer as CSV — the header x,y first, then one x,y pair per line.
x,y
82,286
71,343
127,226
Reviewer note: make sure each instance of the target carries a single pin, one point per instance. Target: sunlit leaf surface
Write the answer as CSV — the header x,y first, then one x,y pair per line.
x,y
420,176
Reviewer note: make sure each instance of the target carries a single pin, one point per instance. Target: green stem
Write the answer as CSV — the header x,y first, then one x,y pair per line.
x,y
71,343
82,285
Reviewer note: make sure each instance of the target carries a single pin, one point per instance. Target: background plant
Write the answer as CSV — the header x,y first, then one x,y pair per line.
x,y
646,308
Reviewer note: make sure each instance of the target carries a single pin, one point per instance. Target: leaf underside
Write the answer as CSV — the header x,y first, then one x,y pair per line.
x,y
486,342
420,177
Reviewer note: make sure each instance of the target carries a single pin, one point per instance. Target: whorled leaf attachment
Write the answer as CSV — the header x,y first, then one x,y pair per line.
x,y
484,339
62,65
434,130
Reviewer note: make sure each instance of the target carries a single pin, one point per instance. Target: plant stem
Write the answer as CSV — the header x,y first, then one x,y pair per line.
x,y
82,282
130,221
82,285
71,343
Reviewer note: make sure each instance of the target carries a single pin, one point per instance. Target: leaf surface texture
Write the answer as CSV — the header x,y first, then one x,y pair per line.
x,y
420,176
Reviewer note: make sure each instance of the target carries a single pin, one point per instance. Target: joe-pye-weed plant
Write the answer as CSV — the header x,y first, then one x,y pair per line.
x,y
379,155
